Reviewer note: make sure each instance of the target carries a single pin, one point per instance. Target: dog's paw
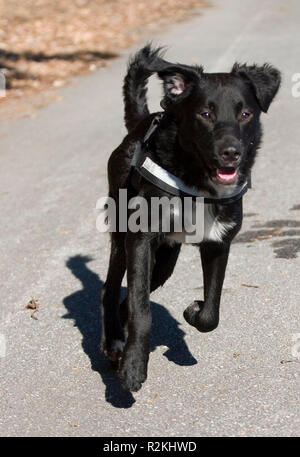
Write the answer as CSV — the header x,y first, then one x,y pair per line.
x,y
133,372
113,351
197,315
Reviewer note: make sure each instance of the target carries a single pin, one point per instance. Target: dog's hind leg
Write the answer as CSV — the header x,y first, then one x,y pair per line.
x,y
163,266
205,315
112,338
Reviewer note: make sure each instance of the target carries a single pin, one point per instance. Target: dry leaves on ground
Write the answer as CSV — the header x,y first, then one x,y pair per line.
x,y
43,43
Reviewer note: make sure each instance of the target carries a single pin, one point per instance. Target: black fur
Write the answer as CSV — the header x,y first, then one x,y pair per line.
x,y
211,126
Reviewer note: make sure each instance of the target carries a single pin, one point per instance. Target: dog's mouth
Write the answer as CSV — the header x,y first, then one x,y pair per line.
x,y
226,175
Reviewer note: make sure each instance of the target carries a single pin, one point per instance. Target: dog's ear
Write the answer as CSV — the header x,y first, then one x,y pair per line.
x,y
265,81
174,84
179,81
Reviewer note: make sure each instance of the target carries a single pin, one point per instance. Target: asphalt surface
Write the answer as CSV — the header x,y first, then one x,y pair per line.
x,y
240,380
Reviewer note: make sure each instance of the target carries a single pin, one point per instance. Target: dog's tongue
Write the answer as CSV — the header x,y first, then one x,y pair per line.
x,y
226,174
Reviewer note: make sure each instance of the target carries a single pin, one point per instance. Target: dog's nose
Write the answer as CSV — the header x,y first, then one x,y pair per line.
x,y
230,154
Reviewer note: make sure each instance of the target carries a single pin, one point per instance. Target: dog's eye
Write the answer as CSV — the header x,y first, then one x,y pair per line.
x,y
205,115
245,115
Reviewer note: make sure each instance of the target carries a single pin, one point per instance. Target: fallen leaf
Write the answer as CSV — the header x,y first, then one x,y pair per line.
x,y
32,304
261,237
153,399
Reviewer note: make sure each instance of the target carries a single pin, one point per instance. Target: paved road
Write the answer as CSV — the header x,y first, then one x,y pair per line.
x,y
53,169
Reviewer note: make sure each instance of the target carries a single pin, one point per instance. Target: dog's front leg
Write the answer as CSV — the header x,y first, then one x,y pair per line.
x,y
205,315
133,369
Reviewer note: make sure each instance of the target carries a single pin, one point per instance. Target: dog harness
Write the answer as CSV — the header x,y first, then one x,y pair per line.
x,y
144,166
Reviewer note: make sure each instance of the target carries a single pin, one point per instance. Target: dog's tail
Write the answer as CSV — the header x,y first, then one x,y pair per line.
x,y
143,64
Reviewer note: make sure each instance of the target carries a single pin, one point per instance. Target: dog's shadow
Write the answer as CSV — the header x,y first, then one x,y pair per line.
x,y
84,308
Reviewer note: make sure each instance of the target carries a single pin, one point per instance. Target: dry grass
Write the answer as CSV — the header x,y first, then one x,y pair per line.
x,y
44,42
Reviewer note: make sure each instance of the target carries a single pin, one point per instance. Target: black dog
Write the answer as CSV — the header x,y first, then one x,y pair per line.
x,y
207,137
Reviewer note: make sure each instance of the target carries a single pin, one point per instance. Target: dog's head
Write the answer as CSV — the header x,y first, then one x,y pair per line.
x,y
218,115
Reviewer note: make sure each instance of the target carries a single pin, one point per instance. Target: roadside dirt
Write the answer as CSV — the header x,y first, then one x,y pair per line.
x,y
44,43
